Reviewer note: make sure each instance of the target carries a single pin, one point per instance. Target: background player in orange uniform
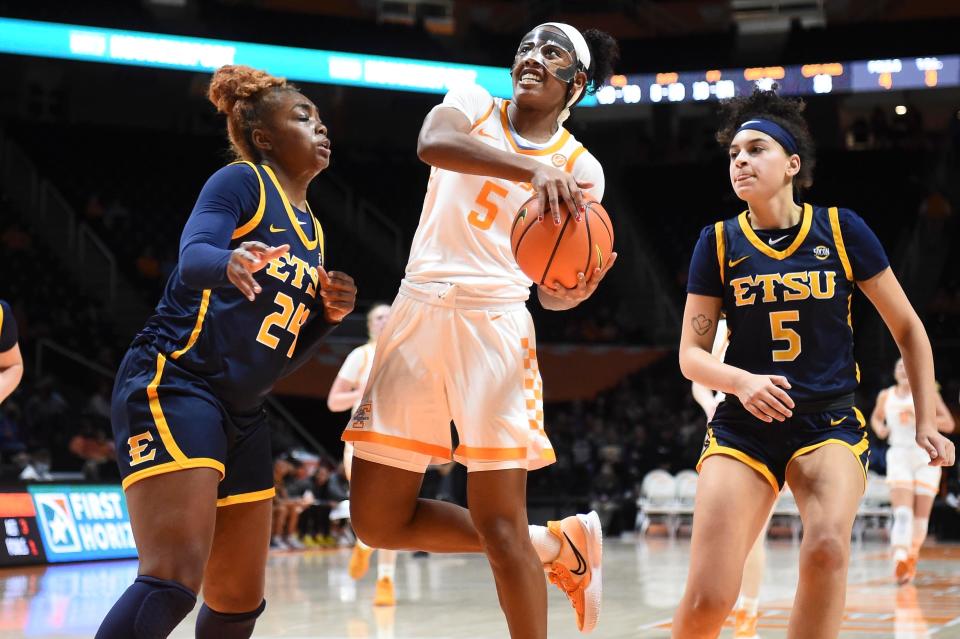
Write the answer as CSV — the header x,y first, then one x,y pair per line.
x,y
913,481
345,393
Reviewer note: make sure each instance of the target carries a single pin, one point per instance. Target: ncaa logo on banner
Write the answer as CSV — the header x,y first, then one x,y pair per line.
x,y
59,526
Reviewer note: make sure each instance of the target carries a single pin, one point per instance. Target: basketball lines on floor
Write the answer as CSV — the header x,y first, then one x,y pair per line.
x,y
928,607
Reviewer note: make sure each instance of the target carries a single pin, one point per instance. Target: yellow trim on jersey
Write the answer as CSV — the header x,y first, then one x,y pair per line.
x,y
172,467
204,303
716,449
721,248
318,233
255,220
158,418
483,117
573,158
307,243
1,318
246,498
553,148
838,242
857,451
768,250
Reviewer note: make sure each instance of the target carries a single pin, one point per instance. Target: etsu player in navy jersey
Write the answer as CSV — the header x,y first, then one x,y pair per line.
x,y
784,272
248,302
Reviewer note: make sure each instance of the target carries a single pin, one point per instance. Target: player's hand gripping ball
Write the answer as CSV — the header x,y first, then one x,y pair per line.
x,y
548,252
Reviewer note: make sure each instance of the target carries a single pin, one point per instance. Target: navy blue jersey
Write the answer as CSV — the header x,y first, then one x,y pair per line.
x,y
787,295
8,328
238,347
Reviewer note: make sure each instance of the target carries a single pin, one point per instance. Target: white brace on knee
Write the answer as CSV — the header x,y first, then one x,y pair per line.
x,y
902,532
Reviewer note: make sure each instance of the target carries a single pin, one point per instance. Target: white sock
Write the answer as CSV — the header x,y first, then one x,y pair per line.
x,y
751,605
546,544
919,533
902,530
387,564
362,545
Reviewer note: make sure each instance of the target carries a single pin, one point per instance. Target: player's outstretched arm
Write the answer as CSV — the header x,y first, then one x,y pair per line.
x,y
885,293
11,371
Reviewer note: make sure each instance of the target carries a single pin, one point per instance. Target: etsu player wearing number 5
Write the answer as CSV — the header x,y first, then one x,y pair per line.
x,y
248,302
784,273
460,343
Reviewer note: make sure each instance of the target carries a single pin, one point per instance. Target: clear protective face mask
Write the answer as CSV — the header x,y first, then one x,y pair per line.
x,y
552,50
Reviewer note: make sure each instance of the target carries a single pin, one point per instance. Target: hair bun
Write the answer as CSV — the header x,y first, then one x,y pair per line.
x,y
233,82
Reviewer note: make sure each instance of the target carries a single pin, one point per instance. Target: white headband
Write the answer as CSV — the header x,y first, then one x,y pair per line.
x,y
579,44
583,55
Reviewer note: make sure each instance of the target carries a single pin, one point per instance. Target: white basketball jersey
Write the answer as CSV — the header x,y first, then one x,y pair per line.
x,y
464,231
900,418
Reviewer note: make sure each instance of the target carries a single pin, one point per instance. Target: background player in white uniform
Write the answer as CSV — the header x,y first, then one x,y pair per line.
x,y
460,344
345,393
748,604
913,481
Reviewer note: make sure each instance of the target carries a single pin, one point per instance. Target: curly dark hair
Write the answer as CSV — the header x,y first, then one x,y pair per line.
x,y
787,112
604,55
244,95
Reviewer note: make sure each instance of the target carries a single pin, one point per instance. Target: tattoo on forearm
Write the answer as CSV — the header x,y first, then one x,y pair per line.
x,y
701,324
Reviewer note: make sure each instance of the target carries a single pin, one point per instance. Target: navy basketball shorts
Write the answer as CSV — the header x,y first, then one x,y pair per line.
x,y
166,419
769,448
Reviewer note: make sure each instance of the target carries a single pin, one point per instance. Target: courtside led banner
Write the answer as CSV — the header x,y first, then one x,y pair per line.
x,y
79,523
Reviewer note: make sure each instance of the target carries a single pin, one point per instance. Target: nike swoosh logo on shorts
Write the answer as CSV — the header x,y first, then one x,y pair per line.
x,y
837,422
581,568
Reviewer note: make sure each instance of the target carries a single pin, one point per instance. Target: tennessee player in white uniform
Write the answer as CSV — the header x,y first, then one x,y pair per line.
x,y
346,393
460,343
913,481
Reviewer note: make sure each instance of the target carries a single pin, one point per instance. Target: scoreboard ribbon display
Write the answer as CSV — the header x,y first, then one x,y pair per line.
x,y
139,48
21,538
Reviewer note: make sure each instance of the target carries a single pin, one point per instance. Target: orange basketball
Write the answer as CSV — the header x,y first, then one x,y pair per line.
x,y
547,251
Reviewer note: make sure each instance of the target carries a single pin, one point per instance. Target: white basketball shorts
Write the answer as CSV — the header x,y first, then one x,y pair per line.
x,y
908,467
443,356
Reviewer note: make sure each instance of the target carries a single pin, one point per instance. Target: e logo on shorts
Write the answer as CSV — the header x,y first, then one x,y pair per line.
x,y
138,444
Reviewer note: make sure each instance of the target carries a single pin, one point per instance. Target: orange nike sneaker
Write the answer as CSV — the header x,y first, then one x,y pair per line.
x,y
903,571
582,581
384,595
359,561
745,625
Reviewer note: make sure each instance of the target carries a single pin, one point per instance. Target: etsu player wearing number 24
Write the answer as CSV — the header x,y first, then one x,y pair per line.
x,y
460,342
249,302
784,273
